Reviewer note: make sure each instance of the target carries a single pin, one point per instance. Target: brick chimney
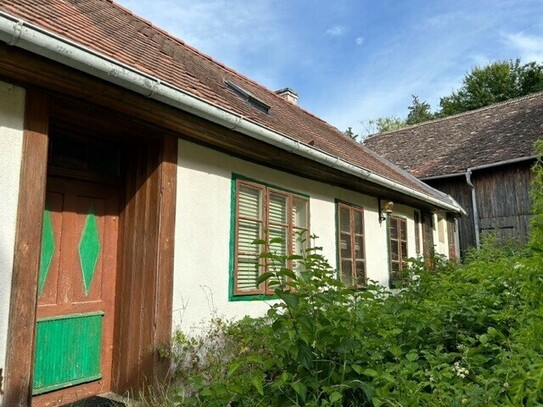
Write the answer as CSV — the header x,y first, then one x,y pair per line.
x,y
288,94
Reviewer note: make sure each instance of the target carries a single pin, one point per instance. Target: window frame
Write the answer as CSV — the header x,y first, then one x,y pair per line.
x,y
352,241
402,257
267,190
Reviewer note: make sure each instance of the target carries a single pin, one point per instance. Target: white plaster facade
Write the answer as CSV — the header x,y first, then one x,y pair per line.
x,y
203,231
12,101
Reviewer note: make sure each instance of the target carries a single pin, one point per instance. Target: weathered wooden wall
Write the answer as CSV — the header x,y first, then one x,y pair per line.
x,y
503,202
145,277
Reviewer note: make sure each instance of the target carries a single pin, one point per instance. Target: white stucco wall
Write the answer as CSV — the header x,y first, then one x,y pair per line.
x,y
11,143
203,222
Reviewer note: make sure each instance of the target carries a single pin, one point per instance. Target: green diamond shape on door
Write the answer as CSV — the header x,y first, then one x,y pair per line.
x,y
89,250
47,250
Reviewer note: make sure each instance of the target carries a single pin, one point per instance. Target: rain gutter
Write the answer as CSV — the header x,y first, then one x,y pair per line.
x,y
32,38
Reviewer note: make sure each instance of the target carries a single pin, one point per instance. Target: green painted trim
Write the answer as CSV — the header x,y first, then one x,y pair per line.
x,y
231,261
89,249
47,250
71,316
48,389
336,218
232,243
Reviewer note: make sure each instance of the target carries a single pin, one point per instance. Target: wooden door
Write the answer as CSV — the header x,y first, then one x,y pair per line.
x,y
76,288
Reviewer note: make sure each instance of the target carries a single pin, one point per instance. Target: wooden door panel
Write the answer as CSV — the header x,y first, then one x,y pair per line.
x,y
75,312
51,249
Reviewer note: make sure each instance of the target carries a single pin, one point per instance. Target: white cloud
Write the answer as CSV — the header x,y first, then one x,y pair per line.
x,y
359,40
335,31
528,47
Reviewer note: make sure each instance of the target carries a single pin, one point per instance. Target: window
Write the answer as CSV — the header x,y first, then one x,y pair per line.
x,y
398,248
263,212
352,260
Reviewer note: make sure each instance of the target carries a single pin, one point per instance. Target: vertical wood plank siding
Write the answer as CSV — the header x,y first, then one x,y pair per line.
x,y
146,264
27,252
503,202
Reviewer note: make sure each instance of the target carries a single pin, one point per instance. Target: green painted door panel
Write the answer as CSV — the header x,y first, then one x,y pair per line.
x,y
67,351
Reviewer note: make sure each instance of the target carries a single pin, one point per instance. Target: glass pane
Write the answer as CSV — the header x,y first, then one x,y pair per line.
x,y
395,266
394,255
247,233
404,251
250,202
359,247
345,245
403,229
393,228
347,272
248,271
278,208
68,153
344,220
359,222
299,213
360,273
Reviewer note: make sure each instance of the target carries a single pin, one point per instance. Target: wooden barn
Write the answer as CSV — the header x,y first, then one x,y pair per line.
x,y
135,173
481,158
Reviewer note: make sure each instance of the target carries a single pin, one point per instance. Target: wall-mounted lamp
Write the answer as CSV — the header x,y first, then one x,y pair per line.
x,y
385,208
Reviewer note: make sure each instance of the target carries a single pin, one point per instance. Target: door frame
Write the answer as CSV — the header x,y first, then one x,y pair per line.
x,y
31,204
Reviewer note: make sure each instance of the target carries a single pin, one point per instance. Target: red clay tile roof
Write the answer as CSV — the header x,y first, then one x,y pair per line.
x,y
492,134
115,32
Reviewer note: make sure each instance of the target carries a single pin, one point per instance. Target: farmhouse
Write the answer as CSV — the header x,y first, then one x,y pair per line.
x,y
135,174
481,158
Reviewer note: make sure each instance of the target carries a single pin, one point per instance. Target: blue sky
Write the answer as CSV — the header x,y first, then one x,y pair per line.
x,y
354,60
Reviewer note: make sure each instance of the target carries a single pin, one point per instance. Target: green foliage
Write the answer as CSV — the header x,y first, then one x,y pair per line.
x,y
418,112
493,83
461,335
390,123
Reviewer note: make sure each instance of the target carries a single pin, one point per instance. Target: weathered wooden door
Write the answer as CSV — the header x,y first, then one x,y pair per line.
x,y
76,288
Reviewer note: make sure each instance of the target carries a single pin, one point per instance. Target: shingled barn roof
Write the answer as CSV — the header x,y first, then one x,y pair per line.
x,y
500,132
115,33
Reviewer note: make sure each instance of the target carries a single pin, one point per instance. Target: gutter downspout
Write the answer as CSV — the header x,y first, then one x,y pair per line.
x,y
52,46
474,208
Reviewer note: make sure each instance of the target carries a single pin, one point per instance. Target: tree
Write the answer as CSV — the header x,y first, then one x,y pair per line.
x,y
418,112
389,123
493,83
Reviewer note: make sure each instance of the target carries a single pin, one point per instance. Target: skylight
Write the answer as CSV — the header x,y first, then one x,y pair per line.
x,y
247,96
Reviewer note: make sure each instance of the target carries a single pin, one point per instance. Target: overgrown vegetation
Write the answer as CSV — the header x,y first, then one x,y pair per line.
x,y
462,335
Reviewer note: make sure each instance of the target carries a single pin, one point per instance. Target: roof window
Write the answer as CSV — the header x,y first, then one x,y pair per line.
x,y
247,96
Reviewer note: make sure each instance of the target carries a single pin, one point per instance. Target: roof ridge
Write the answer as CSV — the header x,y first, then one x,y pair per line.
x,y
466,113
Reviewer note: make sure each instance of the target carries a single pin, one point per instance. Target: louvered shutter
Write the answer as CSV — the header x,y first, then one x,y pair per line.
x,y
250,227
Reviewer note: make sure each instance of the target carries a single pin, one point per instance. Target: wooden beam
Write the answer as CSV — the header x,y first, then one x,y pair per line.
x,y
22,320
165,267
